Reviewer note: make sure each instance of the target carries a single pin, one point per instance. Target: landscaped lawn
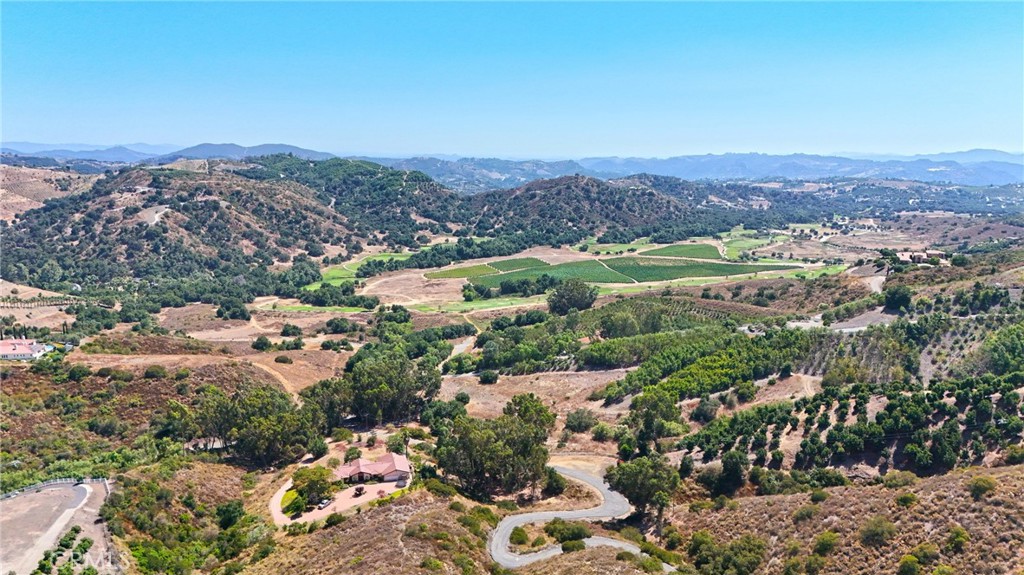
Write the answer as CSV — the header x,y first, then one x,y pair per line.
x,y
702,251
463,272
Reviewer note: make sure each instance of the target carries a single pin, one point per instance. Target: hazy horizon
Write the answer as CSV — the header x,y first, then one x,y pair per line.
x,y
521,81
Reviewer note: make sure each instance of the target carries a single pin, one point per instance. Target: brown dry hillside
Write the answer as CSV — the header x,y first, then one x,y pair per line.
x,y
395,539
995,524
23,189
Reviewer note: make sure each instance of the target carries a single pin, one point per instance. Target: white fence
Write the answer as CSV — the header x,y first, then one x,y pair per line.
x,y
59,481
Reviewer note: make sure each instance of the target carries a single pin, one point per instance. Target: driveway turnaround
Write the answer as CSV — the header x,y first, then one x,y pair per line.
x,y
613,506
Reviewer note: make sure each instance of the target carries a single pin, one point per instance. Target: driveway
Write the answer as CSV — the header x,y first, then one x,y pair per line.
x,y
342,501
613,505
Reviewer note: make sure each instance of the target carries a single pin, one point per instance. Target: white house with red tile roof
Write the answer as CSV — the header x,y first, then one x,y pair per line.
x,y
22,349
388,467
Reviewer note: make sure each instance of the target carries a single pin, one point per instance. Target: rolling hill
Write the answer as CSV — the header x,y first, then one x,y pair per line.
x,y
236,152
476,175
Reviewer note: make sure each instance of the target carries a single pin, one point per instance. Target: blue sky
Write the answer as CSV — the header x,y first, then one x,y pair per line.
x,y
519,80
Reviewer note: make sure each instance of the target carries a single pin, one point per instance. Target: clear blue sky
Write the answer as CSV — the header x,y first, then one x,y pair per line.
x,y
519,80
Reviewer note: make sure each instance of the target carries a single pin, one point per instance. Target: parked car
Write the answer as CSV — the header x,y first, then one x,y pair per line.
x,y
360,490
400,483
324,503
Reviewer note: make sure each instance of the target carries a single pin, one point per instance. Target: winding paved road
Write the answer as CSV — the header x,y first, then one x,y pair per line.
x,y
613,505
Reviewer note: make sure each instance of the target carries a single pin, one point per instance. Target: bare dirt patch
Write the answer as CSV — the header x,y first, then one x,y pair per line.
x,y
564,391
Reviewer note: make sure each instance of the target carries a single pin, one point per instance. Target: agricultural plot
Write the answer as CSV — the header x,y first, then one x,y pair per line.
x,y
589,271
463,272
700,251
340,274
653,270
736,246
596,248
518,264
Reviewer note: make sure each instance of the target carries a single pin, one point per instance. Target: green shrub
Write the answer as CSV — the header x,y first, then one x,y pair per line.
x,y
926,553
155,372
431,564
519,536
818,495
814,564
805,512
573,545
440,489
456,506
957,539
282,359
877,531
1014,454
906,500
487,377
580,420
981,486
539,541
563,530
909,565
602,432
662,555
506,505
825,543
554,483
334,519
940,570
898,479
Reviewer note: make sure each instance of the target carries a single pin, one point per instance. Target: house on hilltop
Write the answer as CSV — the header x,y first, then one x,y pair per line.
x,y
22,349
388,467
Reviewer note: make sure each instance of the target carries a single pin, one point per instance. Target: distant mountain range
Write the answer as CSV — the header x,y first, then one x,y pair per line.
x,y
475,175
807,166
236,152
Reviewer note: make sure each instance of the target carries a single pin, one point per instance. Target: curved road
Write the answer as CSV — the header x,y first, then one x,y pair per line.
x,y
613,505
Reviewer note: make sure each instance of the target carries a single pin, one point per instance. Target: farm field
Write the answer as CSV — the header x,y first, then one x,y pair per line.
x,y
652,270
734,247
701,251
591,271
463,272
596,248
342,273
518,264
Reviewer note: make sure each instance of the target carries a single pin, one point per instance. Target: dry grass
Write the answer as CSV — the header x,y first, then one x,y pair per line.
x,y
995,524
599,561
393,539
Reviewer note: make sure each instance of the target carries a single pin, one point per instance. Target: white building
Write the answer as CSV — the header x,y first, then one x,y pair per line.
x,y
22,349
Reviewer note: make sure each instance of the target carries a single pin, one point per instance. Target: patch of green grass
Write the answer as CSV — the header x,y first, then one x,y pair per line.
x,y
589,271
288,497
701,251
345,272
651,270
463,272
596,248
518,264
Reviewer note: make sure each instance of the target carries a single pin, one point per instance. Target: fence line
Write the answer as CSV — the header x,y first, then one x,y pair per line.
x,y
58,481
